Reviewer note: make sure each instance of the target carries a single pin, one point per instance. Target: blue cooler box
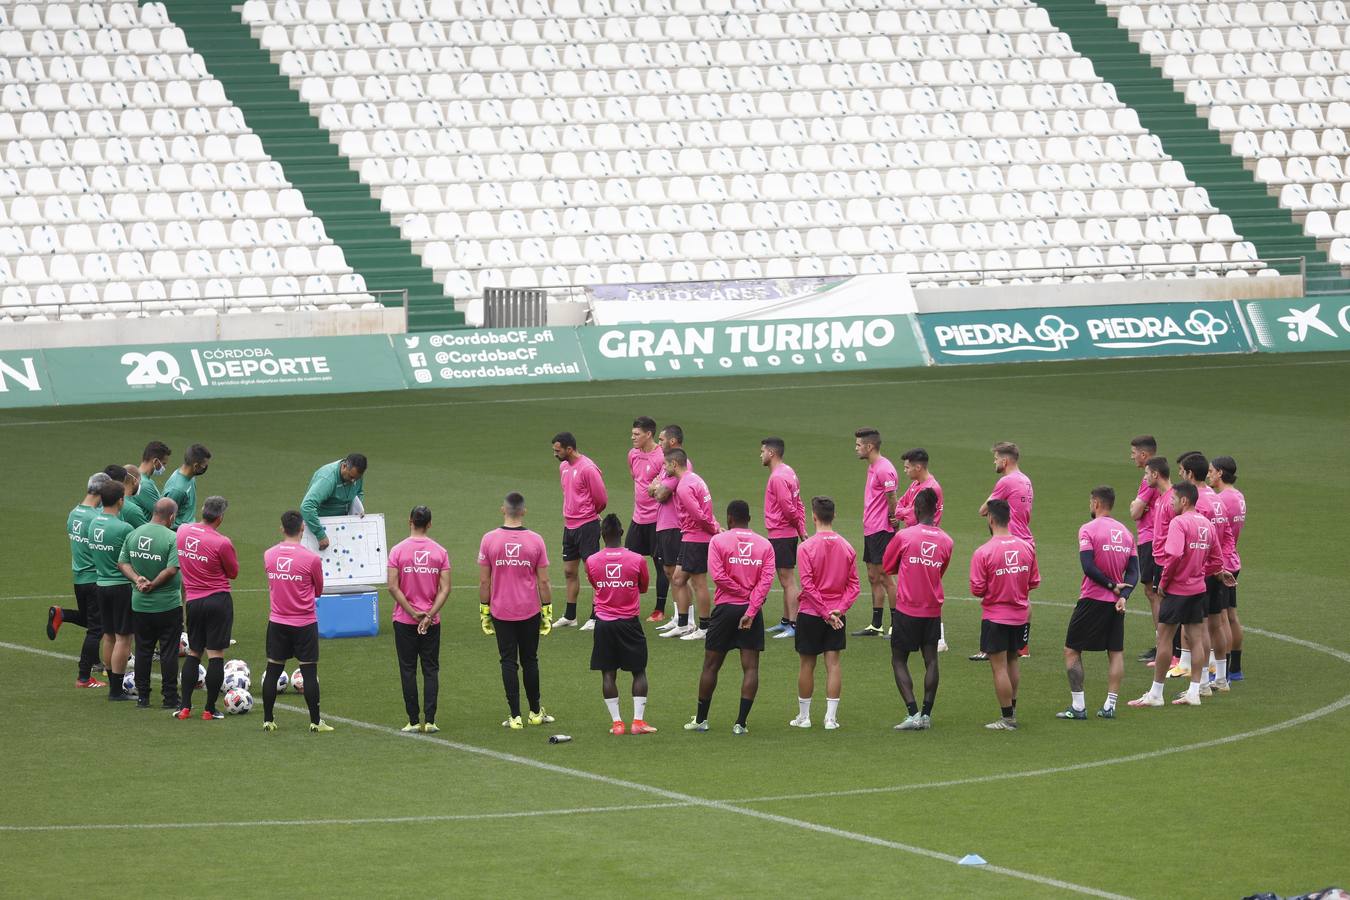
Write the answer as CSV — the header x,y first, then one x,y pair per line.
x,y
349,615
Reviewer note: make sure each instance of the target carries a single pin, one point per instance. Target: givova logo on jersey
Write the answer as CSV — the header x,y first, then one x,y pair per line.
x,y
1117,543
742,556
927,556
419,564
512,557
614,577
1012,564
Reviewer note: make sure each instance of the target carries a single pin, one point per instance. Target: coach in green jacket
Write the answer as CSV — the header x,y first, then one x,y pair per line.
x,y
335,490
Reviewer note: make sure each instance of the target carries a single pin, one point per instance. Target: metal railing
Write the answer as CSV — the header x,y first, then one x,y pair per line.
x,y
194,306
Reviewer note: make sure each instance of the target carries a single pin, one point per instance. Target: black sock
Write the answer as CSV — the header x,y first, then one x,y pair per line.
x,y
928,707
274,671
1007,711
1235,661
745,711
1176,643
188,683
913,708
571,611
215,677
703,709
310,672
682,619
785,621
115,684
662,588
876,618
1014,706
704,623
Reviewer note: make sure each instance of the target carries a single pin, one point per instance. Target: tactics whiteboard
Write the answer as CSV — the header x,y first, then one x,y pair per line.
x,y
357,550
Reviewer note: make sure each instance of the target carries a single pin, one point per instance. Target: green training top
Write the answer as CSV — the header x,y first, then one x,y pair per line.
x,y
182,490
132,514
328,496
77,530
151,549
147,496
106,536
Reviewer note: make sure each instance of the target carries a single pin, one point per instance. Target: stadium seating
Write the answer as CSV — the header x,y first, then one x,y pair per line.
x,y
130,185
525,142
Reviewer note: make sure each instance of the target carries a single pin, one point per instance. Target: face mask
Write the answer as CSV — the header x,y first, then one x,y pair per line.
x,y
159,470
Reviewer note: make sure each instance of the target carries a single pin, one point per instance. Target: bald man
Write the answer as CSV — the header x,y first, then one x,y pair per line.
x,y
149,559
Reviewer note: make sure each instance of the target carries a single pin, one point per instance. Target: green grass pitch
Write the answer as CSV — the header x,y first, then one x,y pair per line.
x,y
1243,794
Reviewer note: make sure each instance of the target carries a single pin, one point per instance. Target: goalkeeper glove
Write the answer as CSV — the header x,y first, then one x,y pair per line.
x,y
545,619
485,617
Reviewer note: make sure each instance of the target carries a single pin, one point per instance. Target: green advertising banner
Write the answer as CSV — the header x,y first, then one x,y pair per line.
x,y
1085,332
1301,325
23,379
741,348
480,356
223,369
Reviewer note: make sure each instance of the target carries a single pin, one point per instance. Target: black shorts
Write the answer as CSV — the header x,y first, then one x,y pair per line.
x,y
619,644
210,620
641,539
725,634
784,552
693,557
874,546
581,542
1232,592
114,609
1149,570
86,601
1216,596
912,633
1175,610
1095,625
998,638
298,642
815,636
667,551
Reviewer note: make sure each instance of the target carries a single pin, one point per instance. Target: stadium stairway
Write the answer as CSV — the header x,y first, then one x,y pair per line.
x,y
352,217
1185,136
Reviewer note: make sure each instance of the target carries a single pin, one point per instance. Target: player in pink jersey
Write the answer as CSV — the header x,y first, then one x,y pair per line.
x,y
1222,478
646,462
1214,657
1158,475
1142,449
294,582
741,564
785,520
419,582
1013,487
619,577
1106,553
693,505
515,603
1190,552
915,465
1003,572
879,498
584,499
208,564
918,556
662,490
829,572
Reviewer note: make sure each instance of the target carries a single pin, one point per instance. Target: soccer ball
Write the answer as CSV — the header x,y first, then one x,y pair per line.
x,y
183,645
237,680
237,665
129,682
201,677
238,701
283,680
298,681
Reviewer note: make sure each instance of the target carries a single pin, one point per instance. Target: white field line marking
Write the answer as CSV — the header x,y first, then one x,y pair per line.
x,y
673,796
684,393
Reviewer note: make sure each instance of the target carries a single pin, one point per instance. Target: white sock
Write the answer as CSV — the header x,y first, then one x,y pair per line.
x,y
804,708
1221,667
942,632
1077,700
639,709
1110,702
1185,659
1157,689
613,709
1193,690
831,710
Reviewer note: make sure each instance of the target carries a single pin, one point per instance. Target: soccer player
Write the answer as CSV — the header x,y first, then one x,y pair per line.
x,y
107,533
1222,478
1014,487
515,603
130,479
646,463
879,499
1106,552
208,564
85,579
829,573
1003,573
149,559
785,520
915,466
619,577
1197,468
693,506
741,563
419,582
294,582
1142,449
1189,551
181,486
662,490
154,458
584,499
335,489
918,557
1158,476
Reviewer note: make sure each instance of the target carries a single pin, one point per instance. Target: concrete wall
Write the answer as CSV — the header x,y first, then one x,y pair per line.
x,y
1020,296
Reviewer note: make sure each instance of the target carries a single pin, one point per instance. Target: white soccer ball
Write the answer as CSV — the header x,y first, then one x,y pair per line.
x,y
237,680
237,665
282,681
298,681
201,677
183,645
238,701
129,682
